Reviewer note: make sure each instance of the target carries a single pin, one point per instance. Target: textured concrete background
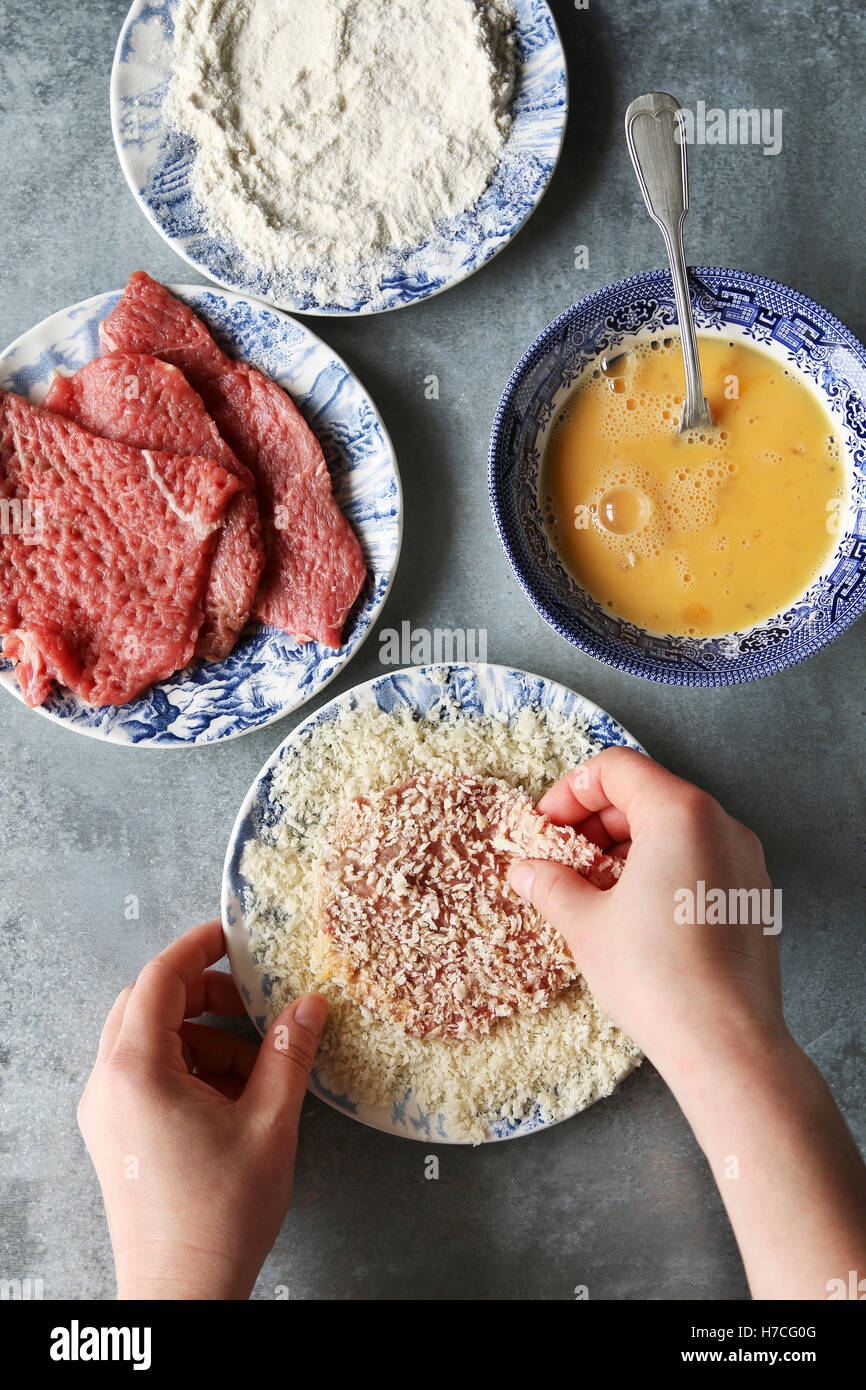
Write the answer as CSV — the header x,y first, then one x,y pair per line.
x,y
620,1198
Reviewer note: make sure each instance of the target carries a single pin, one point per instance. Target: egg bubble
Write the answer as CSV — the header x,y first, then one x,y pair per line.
x,y
617,364
624,509
628,513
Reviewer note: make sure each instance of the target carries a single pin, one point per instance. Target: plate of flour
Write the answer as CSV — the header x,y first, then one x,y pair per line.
x,y
343,158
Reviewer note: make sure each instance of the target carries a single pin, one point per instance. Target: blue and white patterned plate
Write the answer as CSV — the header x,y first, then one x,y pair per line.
x,y
496,691
268,674
157,162
795,330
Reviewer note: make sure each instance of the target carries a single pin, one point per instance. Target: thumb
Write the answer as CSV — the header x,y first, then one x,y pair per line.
x,y
278,1081
563,897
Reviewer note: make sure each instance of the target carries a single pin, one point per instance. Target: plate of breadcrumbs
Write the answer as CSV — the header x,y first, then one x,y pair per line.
x,y
369,862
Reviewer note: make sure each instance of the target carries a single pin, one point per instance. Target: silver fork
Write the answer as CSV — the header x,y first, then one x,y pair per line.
x,y
654,127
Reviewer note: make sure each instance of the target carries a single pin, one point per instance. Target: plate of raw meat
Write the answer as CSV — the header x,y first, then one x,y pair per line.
x,y
200,515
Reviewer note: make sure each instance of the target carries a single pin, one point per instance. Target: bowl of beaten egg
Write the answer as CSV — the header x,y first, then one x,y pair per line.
x,y
700,559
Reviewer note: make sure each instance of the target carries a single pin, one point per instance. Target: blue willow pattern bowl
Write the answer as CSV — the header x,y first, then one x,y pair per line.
x,y
268,674
736,305
492,691
157,162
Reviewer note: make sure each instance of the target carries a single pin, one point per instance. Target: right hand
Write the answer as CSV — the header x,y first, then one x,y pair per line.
x,y
676,989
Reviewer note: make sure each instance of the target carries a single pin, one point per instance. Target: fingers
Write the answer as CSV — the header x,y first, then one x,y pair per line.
x,y
276,1087
564,804
602,827
158,1002
214,1050
619,851
623,787
111,1027
214,992
232,1087
560,894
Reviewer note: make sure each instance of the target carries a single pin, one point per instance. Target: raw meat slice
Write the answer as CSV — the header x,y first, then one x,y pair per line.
x,y
103,593
316,528
310,579
416,920
139,400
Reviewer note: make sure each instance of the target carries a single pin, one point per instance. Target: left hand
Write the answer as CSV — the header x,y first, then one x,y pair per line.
x,y
193,1130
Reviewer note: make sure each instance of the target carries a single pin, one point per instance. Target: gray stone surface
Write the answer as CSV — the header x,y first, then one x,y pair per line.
x,y
620,1198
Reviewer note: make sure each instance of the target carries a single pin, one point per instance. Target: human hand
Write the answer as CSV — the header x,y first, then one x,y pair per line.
x,y
704,1003
193,1130
674,988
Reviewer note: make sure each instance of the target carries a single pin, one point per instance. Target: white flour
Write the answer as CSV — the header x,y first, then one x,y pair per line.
x,y
336,133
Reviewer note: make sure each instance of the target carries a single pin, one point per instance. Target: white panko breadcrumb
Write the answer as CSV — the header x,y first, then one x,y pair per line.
x,y
558,1059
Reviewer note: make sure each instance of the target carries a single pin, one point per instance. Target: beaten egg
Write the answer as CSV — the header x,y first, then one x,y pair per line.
x,y
703,533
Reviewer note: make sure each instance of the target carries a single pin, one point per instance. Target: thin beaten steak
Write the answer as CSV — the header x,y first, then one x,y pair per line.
x,y
103,593
314,568
139,400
